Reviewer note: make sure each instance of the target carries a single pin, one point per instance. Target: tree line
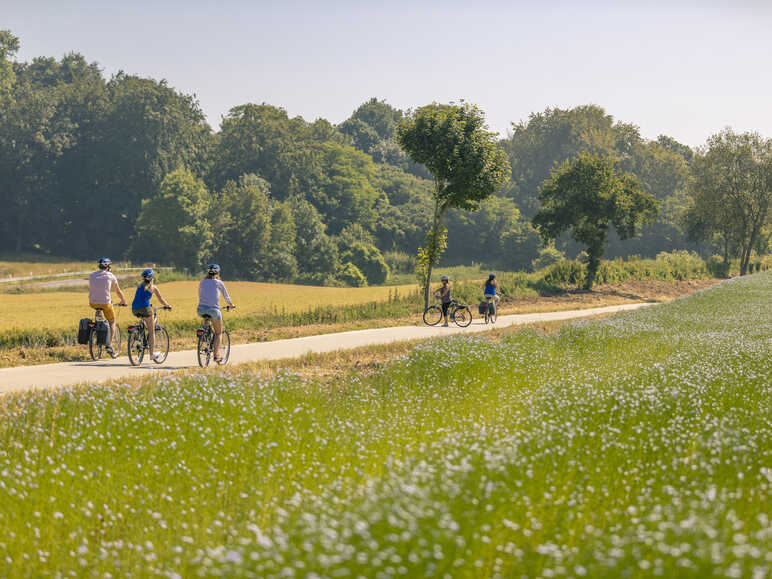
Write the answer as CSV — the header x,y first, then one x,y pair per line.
x,y
128,166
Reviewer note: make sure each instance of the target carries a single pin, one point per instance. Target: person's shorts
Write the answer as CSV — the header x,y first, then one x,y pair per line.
x,y
445,306
143,312
493,297
107,310
213,313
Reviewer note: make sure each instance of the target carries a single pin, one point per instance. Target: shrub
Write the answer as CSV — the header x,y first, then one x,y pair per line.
x,y
351,275
717,266
547,256
565,272
399,262
368,260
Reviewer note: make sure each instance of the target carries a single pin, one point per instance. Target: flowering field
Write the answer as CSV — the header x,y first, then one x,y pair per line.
x,y
635,446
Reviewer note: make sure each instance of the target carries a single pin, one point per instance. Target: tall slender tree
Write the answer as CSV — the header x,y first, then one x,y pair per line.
x,y
454,144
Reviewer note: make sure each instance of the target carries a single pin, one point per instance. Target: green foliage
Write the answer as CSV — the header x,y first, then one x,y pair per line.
x,y
453,143
242,222
368,261
350,275
731,193
9,46
172,226
717,266
547,256
675,266
585,196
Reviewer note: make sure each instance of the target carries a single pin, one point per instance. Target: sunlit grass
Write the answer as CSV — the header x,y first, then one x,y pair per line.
x,y
635,446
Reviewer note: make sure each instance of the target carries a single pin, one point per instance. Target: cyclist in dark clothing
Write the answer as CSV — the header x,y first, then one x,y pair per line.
x,y
443,292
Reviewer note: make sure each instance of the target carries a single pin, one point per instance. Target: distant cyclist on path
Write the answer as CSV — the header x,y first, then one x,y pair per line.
x,y
100,285
443,293
492,290
209,291
141,307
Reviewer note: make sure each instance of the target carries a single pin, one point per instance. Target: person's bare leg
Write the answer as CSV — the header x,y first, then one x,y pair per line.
x,y
150,327
217,325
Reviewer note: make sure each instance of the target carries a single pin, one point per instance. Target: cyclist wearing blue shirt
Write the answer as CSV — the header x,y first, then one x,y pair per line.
x,y
491,291
141,307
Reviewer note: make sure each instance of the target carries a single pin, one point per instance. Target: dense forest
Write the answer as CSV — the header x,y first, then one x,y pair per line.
x,y
128,167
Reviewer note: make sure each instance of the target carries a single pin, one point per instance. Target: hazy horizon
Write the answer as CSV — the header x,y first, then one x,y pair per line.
x,y
684,69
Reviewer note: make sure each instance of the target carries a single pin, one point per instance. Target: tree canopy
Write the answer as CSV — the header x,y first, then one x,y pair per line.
x,y
584,196
80,152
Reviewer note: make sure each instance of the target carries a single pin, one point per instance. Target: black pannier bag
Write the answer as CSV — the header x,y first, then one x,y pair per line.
x,y
102,329
83,330
482,308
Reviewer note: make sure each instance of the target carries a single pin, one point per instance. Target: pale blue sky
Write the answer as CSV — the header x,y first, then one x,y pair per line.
x,y
686,69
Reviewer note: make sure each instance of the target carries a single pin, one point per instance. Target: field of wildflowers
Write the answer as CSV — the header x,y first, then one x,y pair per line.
x,y
635,446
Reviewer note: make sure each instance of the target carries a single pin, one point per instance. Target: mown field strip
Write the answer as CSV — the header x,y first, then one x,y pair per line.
x,y
68,373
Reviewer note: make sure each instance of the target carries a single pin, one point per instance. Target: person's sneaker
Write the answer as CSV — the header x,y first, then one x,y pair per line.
x,y
445,325
156,356
109,349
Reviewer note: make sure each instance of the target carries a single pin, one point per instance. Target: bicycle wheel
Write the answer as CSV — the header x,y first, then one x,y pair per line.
x,y
432,315
136,347
115,342
204,349
462,316
161,344
94,348
225,347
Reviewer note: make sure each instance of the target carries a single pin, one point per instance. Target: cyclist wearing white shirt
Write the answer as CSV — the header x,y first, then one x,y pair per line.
x,y
100,285
209,291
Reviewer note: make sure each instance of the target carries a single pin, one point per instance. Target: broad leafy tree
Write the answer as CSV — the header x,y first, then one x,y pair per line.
x,y
242,214
731,193
585,196
454,144
173,226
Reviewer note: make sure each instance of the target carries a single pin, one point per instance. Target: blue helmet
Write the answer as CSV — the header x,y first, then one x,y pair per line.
x,y
148,274
213,268
104,262
492,276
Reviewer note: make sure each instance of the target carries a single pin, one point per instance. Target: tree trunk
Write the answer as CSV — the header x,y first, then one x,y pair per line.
x,y
593,263
433,249
427,283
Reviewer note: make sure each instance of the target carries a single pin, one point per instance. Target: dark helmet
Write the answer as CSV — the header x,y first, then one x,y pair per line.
x,y
148,274
491,276
213,268
104,262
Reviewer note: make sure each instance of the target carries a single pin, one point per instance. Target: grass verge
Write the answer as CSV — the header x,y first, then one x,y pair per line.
x,y
638,445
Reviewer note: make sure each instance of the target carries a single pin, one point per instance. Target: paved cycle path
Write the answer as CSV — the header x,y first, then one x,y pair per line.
x,y
68,373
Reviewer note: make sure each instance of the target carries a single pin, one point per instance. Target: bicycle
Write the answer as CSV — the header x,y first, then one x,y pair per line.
x,y
94,345
492,312
205,348
138,340
458,312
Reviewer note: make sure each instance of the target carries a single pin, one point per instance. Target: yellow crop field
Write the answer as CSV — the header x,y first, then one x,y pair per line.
x,y
32,268
61,310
